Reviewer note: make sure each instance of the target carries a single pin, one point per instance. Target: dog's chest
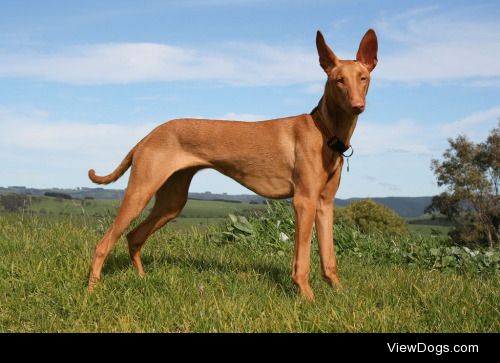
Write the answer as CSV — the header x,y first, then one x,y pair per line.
x,y
335,163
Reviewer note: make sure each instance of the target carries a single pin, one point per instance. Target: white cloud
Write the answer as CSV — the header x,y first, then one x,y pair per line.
x,y
35,132
475,126
401,137
122,63
422,45
407,136
450,61
315,89
435,46
37,150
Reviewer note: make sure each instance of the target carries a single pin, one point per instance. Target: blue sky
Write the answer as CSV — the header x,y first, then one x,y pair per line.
x,y
82,82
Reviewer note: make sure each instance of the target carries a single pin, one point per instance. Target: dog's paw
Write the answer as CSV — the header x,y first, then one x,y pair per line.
x,y
333,281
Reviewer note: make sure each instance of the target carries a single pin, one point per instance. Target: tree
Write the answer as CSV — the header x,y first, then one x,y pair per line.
x,y
58,195
471,174
371,217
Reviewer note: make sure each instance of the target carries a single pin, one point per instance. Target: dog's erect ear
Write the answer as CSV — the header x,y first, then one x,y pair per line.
x,y
368,48
327,58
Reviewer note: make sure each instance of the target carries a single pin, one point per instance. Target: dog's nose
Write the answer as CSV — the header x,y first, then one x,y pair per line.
x,y
358,107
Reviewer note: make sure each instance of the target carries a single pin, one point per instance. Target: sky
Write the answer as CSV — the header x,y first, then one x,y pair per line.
x,y
82,82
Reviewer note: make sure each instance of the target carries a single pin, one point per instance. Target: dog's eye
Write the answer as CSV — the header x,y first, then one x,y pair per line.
x,y
340,80
363,78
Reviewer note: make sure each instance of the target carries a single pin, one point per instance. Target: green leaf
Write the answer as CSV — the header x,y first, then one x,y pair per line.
x,y
243,228
448,261
244,220
435,251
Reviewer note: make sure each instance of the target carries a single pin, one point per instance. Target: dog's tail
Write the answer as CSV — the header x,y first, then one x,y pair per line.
x,y
118,172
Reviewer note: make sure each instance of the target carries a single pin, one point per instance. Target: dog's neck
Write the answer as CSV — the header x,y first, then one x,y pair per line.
x,y
335,120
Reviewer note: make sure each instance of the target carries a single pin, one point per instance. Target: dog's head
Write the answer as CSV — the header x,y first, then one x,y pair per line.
x,y
348,80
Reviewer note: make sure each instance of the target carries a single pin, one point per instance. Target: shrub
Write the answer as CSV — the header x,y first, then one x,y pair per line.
x,y
272,233
12,202
58,195
370,217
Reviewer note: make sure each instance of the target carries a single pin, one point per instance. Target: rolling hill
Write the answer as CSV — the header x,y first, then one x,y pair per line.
x,y
404,206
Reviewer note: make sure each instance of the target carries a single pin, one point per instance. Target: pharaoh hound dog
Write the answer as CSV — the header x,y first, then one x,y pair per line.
x,y
298,156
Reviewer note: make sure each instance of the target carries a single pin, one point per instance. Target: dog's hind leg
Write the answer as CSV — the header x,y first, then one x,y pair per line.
x,y
170,199
139,192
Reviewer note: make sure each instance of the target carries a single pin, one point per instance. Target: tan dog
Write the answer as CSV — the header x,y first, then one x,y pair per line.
x,y
299,157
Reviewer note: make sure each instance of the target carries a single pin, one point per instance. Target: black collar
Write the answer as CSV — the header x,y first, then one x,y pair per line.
x,y
333,141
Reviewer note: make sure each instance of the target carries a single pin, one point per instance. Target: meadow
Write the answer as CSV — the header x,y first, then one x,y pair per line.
x,y
197,213
234,275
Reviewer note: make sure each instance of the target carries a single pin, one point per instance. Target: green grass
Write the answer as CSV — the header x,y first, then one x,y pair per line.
x,y
75,207
428,225
217,209
188,223
193,209
202,282
196,213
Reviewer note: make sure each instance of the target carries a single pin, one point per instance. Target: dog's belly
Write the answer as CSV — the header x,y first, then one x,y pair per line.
x,y
275,188
269,183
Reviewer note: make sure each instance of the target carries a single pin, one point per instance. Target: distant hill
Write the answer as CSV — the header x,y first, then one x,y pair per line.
x,y
404,206
78,193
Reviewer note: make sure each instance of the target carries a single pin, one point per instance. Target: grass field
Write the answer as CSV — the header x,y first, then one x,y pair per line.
x,y
193,208
429,230
198,281
196,213
426,225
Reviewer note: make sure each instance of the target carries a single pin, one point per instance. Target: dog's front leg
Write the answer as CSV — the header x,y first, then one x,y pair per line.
x,y
324,233
305,209
324,229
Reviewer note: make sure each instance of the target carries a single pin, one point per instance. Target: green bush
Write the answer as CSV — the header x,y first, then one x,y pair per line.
x,y
272,233
370,217
429,252
12,202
